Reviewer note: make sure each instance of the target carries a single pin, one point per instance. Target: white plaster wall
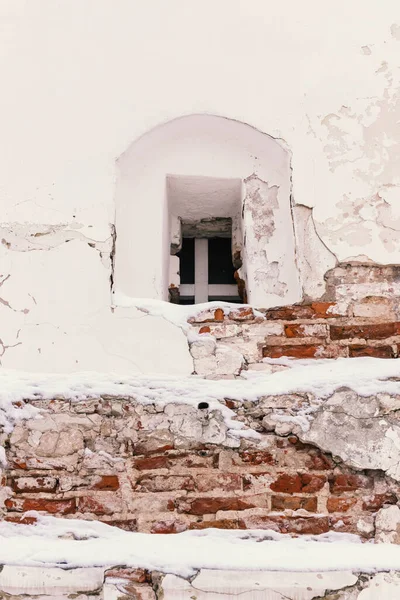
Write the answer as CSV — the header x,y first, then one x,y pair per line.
x,y
81,80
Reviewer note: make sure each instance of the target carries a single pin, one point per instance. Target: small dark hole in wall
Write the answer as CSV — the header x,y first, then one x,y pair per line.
x,y
202,405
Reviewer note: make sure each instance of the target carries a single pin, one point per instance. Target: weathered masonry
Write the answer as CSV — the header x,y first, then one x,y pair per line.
x,y
143,467
361,318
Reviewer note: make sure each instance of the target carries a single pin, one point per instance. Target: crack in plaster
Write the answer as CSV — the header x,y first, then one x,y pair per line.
x,y
112,256
4,347
28,238
6,302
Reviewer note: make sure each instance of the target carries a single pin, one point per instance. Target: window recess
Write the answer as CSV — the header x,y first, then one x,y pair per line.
x,y
206,270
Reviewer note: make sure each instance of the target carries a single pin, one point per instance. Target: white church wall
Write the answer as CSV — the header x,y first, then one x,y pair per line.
x,y
81,82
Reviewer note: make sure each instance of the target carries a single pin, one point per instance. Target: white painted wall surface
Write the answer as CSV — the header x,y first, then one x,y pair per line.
x,y
81,80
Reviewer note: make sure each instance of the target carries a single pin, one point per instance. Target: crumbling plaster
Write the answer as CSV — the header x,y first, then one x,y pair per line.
x,y
89,79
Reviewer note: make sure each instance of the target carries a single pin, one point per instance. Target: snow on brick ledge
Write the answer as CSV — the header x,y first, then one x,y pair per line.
x,y
55,558
307,450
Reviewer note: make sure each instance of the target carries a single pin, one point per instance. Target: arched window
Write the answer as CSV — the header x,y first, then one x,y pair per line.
x,y
202,205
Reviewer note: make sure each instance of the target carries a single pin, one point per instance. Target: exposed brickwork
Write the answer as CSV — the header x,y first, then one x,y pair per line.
x,y
126,466
374,351
375,331
287,485
364,326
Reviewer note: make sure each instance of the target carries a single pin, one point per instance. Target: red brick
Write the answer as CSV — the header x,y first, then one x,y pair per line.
x,y
19,463
305,351
349,483
164,483
324,310
376,502
287,484
20,519
255,457
229,482
294,503
347,523
374,351
230,403
290,313
315,310
219,315
62,507
312,483
88,504
151,462
107,483
168,527
125,524
284,524
219,524
298,351
335,504
319,462
205,506
129,574
302,330
244,313
376,331
34,484
205,329
195,460
292,484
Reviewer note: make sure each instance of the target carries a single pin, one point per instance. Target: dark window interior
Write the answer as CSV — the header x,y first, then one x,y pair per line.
x,y
186,261
220,267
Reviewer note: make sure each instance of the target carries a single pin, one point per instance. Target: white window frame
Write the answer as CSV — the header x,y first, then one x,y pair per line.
x,y
201,289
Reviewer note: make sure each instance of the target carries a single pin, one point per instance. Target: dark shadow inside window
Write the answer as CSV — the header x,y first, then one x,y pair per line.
x,y
220,267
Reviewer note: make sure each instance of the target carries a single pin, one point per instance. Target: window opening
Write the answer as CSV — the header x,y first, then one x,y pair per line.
x,y
207,271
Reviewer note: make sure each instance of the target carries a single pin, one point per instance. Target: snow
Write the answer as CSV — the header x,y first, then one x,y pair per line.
x,y
71,543
366,376
177,314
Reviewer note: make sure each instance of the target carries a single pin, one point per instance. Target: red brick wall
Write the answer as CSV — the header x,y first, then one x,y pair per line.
x,y
315,330
151,485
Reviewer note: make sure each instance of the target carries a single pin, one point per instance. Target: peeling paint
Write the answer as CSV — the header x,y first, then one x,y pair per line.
x,y
261,201
19,237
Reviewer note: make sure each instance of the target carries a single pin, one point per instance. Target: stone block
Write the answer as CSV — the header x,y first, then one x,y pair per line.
x,y
229,361
50,581
387,525
252,585
205,366
34,484
205,346
262,330
374,307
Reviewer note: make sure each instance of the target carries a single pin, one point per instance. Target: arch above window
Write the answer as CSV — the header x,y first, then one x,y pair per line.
x,y
191,176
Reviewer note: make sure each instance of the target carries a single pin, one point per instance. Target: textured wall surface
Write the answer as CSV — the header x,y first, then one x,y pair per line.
x,y
166,470
81,82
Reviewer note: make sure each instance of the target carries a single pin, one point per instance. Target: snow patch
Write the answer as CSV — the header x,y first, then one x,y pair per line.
x,y
69,543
